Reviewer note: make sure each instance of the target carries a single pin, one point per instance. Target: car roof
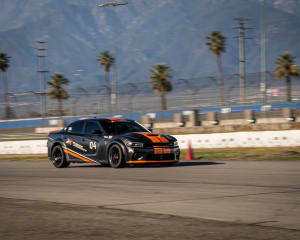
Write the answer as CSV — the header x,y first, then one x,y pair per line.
x,y
101,119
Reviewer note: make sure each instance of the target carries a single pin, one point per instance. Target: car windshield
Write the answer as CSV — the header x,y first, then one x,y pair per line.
x,y
121,127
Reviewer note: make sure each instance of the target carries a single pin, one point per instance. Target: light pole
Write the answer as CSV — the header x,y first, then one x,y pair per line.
x,y
42,71
113,93
263,82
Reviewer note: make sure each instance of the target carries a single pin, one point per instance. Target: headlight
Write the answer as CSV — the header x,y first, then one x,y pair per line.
x,y
175,144
135,144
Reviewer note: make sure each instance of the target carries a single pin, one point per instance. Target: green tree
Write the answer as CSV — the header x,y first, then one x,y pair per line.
x,y
216,44
57,92
4,64
287,69
160,73
106,61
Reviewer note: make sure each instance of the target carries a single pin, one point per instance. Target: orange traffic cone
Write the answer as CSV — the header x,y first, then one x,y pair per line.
x,y
189,153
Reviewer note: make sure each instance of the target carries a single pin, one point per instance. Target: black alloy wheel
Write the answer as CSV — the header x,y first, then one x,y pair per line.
x,y
115,157
58,157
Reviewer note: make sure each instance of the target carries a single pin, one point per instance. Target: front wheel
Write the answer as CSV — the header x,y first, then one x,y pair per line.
x,y
115,157
58,157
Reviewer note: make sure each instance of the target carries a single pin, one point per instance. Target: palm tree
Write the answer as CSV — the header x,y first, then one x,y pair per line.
x,y
58,92
287,69
107,61
159,82
216,44
4,64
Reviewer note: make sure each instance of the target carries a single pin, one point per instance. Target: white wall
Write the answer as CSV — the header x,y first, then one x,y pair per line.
x,y
214,140
241,139
23,147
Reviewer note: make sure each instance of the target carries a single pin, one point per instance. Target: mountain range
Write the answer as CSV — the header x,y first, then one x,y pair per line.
x,y
140,35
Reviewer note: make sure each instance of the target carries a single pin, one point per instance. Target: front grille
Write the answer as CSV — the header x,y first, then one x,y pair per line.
x,y
161,145
157,145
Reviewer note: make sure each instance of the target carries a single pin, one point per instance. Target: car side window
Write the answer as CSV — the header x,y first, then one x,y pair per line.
x,y
90,127
75,127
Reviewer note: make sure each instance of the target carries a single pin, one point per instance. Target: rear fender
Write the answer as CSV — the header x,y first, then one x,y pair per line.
x,y
62,144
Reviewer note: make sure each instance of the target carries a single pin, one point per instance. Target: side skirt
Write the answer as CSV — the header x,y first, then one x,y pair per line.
x,y
78,156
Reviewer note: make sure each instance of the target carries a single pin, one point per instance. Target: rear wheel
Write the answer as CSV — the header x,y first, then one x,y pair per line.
x,y
58,157
115,157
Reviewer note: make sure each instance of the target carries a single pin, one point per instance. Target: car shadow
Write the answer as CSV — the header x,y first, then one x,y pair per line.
x,y
153,165
84,165
179,164
196,163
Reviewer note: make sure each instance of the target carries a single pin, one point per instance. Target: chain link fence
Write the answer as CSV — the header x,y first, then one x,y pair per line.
x,y
135,97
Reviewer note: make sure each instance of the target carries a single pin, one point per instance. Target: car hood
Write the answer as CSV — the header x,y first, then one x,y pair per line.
x,y
147,137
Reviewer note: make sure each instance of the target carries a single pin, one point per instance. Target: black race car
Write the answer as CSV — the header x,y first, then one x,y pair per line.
x,y
112,141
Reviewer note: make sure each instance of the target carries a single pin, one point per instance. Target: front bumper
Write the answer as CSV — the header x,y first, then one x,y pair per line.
x,y
153,155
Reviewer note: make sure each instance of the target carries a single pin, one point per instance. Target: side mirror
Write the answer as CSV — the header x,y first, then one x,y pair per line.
x,y
97,132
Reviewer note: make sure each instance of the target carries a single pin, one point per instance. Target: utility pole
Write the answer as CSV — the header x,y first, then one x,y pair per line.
x,y
114,83
114,90
263,64
242,60
41,54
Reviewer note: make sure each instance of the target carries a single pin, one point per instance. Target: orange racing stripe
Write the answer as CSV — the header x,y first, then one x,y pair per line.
x,y
54,131
77,156
116,119
155,138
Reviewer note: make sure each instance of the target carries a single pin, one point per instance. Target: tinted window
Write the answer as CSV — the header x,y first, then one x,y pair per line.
x,y
120,127
91,126
76,127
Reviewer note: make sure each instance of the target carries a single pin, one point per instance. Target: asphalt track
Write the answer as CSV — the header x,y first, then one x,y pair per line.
x,y
194,200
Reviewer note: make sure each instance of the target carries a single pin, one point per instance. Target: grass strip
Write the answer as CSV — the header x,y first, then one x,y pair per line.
x,y
24,157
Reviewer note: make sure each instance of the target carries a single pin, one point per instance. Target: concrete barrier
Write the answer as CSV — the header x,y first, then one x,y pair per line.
x,y
214,140
24,147
212,118
241,139
193,119
46,129
249,116
178,119
147,121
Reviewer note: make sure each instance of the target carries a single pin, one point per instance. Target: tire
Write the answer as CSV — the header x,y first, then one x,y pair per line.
x,y
115,156
58,157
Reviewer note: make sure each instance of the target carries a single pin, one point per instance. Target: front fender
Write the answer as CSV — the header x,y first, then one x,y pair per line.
x,y
121,144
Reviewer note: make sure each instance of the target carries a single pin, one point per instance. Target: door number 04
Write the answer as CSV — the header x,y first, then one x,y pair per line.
x,y
93,145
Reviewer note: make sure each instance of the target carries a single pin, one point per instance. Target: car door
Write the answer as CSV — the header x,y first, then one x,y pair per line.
x,y
73,141
94,140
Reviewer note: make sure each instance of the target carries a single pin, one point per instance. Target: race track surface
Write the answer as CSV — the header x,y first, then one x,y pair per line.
x,y
215,200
